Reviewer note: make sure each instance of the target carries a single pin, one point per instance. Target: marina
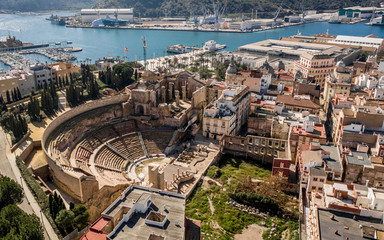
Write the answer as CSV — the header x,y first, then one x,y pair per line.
x,y
16,60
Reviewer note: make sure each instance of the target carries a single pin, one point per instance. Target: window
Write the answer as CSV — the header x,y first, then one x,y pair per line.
x,y
321,180
315,179
313,188
320,189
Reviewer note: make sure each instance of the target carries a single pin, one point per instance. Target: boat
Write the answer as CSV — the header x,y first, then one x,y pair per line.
x,y
58,43
69,42
178,49
212,46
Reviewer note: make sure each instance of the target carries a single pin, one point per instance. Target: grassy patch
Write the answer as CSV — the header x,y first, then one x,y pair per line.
x,y
226,220
101,84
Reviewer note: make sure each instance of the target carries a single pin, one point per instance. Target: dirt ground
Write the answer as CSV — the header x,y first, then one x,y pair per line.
x,y
36,159
37,129
253,232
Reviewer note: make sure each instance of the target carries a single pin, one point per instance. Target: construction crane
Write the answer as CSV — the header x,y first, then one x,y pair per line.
x,y
276,15
145,51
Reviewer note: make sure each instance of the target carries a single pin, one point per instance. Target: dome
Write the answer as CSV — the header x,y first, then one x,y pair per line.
x,y
340,64
231,68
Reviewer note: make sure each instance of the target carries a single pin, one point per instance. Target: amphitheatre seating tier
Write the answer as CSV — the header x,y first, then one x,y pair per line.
x,y
105,133
130,146
106,157
156,140
93,141
83,154
125,127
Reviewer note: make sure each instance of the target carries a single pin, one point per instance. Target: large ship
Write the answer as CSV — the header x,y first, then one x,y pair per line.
x,y
178,49
57,20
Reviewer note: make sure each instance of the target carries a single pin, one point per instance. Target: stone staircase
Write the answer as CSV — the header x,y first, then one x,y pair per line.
x,y
142,144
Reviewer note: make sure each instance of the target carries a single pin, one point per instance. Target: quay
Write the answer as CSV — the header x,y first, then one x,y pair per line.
x,y
24,47
201,29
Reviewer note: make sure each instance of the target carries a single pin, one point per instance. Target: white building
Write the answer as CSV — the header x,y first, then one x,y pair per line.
x,y
378,93
42,73
90,15
357,41
27,83
228,114
376,197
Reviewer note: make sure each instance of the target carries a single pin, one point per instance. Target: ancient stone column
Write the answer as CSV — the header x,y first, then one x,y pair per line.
x,y
170,91
163,94
177,96
184,92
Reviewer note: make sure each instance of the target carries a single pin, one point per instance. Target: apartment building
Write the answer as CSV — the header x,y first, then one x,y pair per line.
x,y
228,114
316,65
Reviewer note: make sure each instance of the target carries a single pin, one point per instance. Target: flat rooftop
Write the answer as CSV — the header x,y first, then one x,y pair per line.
x,y
168,204
334,161
289,48
345,225
358,158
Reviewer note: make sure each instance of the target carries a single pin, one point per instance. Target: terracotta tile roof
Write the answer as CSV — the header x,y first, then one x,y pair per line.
x,y
95,230
289,100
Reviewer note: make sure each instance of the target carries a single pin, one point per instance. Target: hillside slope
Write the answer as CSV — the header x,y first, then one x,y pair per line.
x,y
158,8
44,5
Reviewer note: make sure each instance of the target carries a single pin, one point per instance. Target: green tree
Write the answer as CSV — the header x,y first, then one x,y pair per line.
x,y
10,192
65,220
15,224
81,216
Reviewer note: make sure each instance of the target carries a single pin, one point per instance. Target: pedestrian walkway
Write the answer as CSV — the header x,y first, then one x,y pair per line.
x,y
9,168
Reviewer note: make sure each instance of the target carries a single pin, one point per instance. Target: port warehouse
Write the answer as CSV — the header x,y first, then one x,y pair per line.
x,y
90,15
360,12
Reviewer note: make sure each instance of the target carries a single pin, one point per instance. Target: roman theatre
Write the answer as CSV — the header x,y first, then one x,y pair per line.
x,y
142,136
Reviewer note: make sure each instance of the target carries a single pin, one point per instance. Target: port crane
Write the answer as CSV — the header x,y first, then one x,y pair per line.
x,y
218,12
302,10
276,15
194,16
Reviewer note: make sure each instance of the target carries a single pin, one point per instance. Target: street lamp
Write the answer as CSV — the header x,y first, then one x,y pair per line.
x,y
41,216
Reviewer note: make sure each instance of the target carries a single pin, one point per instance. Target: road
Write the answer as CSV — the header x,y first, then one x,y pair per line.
x,y
9,168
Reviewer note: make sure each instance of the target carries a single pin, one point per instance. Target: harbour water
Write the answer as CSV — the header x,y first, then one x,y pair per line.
x,y
97,43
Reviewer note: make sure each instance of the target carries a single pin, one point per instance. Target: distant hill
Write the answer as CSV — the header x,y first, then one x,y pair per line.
x,y
161,8
44,5
156,8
